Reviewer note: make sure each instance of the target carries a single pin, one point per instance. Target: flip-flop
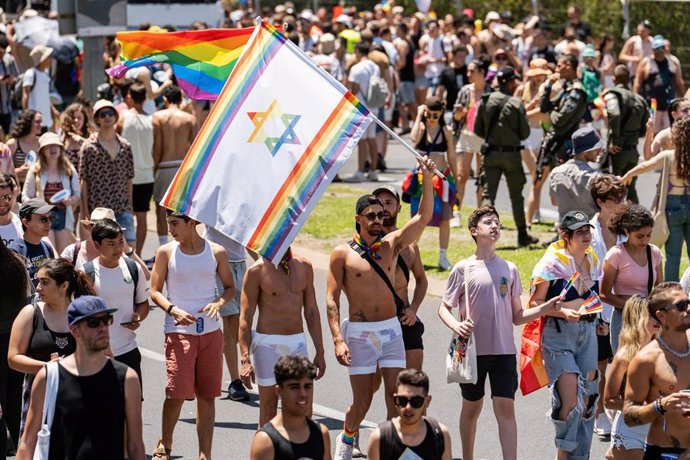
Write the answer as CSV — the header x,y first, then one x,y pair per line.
x,y
161,451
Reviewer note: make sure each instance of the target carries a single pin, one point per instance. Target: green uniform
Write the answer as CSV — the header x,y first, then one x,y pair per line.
x,y
502,151
565,114
628,114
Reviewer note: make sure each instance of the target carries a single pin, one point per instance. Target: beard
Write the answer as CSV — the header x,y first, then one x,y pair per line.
x,y
390,221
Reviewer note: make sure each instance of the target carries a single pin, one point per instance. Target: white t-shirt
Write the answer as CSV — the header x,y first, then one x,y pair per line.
x,y
12,231
361,74
115,287
39,97
138,130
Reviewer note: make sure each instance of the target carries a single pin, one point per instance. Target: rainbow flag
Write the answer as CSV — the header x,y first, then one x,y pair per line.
x,y
592,304
201,59
570,283
276,137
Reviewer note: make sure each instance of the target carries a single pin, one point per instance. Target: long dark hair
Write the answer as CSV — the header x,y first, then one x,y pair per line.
x,y
62,270
15,282
680,134
23,125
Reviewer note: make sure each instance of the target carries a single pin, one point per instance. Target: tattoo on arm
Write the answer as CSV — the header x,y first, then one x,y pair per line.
x,y
632,412
360,315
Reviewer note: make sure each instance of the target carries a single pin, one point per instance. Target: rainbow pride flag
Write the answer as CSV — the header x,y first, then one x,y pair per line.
x,y
570,283
201,59
276,137
592,304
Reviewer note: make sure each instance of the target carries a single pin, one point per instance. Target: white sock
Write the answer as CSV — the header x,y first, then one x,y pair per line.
x,y
162,239
443,253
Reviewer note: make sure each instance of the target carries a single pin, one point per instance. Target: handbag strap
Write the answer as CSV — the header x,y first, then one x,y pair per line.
x,y
663,184
52,381
650,270
399,303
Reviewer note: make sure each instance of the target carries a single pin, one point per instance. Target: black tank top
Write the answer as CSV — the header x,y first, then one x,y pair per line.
x,y
407,71
45,342
435,146
89,420
391,446
660,85
285,450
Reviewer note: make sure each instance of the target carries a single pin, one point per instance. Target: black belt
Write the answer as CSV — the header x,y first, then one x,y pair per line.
x,y
505,149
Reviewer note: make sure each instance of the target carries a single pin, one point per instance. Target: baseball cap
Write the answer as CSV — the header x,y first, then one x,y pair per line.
x,y
34,206
505,74
574,219
647,23
364,202
586,139
589,52
86,306
492,16
658,42
388,189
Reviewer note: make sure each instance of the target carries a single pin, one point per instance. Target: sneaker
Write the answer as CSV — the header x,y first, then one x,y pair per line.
x,y
602,426
372,176
444,264
356,177
237,392
342,451
356,451
381,163
455,221
367,166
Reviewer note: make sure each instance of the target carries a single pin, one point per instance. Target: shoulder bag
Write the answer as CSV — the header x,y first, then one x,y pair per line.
x,y
461,359
660,231
52,381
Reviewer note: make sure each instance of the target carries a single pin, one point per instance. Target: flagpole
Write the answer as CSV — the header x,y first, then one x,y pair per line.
x,y
405,144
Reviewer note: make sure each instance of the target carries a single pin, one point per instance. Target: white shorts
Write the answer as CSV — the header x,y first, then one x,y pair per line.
x,y
269,348
627,437
374,343
533,142
469,142
370,133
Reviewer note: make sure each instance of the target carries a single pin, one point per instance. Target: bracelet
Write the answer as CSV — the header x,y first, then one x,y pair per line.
x,y
172,305
658,407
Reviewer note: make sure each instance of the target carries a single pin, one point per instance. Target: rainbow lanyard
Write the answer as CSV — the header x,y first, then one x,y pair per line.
x,y
372,250
285,261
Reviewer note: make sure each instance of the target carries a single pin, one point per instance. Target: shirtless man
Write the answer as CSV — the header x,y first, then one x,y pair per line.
x,y
173,133
409,261
656,391
371,336
283,294
653,144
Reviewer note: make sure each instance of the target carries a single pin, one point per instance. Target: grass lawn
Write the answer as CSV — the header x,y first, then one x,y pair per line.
x,y
332,222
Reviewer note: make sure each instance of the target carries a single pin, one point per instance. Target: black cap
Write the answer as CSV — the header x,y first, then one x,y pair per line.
x,y
34,206
505,74
574,220
647,23
388,189
365,201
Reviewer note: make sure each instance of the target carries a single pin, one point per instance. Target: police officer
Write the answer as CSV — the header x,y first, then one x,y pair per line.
x,y
628,114
565,112
502,121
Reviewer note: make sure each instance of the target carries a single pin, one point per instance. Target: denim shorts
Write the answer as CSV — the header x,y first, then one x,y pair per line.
x,y
126,221
406,92
59,219
572,350
420,81
238,270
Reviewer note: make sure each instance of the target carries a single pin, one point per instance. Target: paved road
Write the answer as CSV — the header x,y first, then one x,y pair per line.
x,y
236,422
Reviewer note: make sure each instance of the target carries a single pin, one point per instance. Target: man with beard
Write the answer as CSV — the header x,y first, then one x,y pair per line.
x,y
409,261
411,435
98,403
371,337
658,378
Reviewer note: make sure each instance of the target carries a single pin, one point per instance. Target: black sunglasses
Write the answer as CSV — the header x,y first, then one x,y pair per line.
x,y
372,216
105,113
45,219
415,401
433,115
681,305
96,321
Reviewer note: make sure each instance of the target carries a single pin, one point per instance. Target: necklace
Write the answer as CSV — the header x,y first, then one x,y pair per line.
x,y
675,353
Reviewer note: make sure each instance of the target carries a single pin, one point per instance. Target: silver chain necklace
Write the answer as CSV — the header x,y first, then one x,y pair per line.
x,y
675,353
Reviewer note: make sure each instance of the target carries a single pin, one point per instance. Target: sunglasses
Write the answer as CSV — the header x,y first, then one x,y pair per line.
x,y
45,219
433,115
681,305
105,113
500,57
415,401
372,216
6,198
96,321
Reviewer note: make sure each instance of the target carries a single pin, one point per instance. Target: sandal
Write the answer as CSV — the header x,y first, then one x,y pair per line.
x,y
161,451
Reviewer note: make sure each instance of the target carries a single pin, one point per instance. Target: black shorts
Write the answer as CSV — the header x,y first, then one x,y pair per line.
x,y
652,452
605,352
133,359
503,377
141,197
412,335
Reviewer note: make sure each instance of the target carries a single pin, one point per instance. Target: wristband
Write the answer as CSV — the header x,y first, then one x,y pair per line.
x,y
167,312
658,407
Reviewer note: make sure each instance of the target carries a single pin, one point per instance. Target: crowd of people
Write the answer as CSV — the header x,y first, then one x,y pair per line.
x,y
479,98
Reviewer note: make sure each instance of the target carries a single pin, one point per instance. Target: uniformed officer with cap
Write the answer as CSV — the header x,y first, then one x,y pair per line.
x,y
628,114
502,122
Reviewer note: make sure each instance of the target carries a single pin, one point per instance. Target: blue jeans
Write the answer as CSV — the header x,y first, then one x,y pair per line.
x,y
572,348
126,221
678,218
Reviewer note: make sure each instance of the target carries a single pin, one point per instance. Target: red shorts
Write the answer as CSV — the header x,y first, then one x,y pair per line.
x,y
194,365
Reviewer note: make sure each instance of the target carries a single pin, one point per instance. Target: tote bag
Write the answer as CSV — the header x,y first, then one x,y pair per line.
x,y
461,359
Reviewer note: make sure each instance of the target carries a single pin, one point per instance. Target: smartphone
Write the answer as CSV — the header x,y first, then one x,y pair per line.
x,y
127,323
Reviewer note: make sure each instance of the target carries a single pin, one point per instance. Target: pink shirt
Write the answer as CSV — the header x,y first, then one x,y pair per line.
x,y
492,286
631,278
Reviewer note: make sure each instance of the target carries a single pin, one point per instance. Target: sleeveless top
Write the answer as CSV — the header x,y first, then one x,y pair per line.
x,y
45,342
19,156
435,146
407,71
284,449
391,446
659,83
89,419
191,285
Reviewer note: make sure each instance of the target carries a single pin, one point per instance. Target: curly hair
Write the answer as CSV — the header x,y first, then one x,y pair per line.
x,y
604,186
68,124
23,125
680,135
630,217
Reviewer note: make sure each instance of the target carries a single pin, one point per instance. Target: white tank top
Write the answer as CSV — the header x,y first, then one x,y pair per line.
x,y
191,284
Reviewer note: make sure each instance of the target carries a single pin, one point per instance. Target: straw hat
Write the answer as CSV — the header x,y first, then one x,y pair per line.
x,y
98,214
40,53
537,67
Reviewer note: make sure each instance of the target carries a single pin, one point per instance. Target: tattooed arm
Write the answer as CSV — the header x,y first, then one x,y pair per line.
x,y
334,286
638,406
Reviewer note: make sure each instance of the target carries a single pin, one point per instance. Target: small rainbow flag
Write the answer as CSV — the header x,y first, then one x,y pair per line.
x,y
276,137
201,59
570,283
652,108
592,304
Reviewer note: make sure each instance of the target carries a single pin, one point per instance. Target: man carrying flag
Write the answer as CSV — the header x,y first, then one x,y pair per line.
x,y
371,335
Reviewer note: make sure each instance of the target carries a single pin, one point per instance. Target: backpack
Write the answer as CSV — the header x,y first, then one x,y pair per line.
x,y
18,89
378,92
90,270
